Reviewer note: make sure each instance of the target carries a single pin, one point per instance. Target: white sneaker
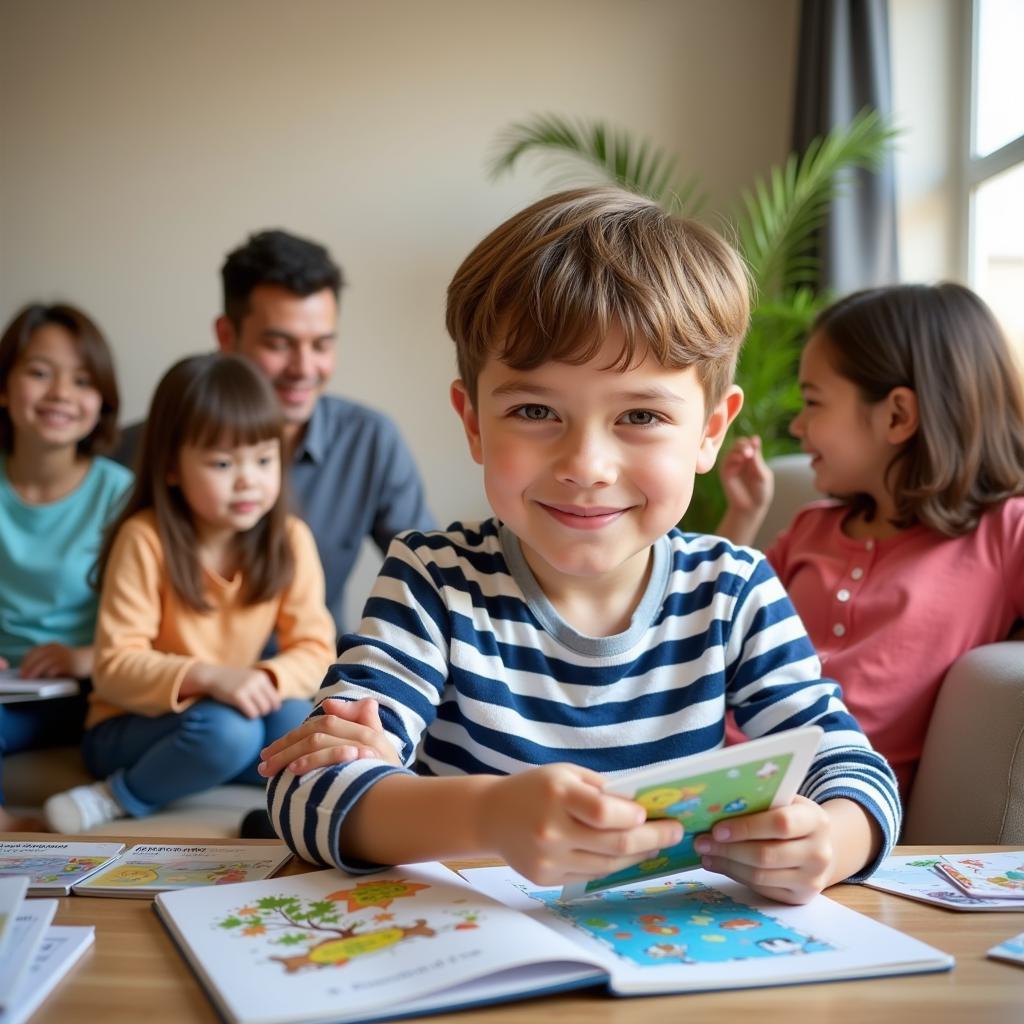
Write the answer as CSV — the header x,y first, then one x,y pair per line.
x,y
82,808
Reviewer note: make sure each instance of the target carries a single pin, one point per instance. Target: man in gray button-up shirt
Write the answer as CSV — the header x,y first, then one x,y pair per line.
x,y
350,472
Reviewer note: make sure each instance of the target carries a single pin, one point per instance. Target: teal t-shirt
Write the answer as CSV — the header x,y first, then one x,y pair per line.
x,y
47,553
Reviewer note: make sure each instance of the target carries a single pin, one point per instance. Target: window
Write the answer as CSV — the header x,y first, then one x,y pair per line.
x,y
994,174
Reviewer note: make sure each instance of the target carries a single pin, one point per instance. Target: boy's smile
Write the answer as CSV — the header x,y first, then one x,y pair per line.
x,y
589,464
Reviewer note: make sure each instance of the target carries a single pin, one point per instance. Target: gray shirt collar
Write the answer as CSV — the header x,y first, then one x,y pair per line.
x,y
554,624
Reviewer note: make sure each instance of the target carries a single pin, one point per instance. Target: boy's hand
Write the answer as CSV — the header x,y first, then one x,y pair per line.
x,y
250,690
346,731
50,660
748,483
555,824
786,853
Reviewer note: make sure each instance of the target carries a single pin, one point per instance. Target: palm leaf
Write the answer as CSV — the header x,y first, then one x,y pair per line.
x,y
782,212
575,147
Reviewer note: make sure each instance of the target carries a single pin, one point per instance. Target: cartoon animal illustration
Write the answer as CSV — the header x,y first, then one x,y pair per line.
x,y
767,770
735,806
348,944
654,924
740,924
668,951
780,945
658,801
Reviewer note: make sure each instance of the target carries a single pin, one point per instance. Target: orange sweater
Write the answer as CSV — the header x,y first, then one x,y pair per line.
x,y
147,639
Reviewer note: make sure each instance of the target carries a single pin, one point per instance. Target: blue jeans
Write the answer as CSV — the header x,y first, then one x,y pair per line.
x,y
32,724
148,762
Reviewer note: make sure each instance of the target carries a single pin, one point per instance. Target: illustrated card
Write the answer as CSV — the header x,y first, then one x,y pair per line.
x,y
915,876
1011,949
986,875
701,790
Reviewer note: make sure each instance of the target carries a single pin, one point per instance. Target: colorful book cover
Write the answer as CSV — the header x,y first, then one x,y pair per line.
x,y
1011,950
145,870
53,867
61,947
698,931
701,790
915,877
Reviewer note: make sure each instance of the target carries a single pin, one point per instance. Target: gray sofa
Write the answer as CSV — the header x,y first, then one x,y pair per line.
x,y
970,784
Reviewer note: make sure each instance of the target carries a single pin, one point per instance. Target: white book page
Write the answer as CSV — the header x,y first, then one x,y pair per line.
x,y
329,946
30,924
12,895
60,948
697,930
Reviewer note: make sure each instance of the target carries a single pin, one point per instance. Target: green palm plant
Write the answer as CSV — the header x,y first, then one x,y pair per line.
x,y
774,226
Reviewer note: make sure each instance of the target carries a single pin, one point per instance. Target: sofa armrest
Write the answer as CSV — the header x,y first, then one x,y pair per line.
x,y
794,488
970,782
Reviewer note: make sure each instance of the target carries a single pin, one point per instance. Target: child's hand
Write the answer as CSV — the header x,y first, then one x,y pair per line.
x,y
748,483
250,690
346,731
554,825
786,853
49,660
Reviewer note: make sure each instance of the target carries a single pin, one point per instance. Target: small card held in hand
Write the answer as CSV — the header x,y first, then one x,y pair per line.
x,y
701,790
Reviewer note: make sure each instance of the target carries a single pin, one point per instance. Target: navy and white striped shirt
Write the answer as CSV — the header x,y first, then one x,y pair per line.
x,y
476,672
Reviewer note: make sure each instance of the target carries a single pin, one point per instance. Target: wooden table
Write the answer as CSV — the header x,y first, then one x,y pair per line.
x,y
134,973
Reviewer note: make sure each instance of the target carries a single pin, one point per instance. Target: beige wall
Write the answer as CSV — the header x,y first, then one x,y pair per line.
x,y
140,140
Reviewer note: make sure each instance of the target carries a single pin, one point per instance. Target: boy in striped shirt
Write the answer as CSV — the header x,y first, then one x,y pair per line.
x,y
504,670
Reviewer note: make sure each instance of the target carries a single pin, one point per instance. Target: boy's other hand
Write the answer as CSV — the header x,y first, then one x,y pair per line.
x,y
748,483
555,824
786,853
348,730
50,660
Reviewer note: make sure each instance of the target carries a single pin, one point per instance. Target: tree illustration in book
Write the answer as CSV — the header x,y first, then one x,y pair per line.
x,y
342,926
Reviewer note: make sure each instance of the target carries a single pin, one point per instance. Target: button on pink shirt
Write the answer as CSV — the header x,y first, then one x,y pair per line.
x,y
888,617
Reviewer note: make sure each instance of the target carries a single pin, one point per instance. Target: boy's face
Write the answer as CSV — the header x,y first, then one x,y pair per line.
x,y
588,466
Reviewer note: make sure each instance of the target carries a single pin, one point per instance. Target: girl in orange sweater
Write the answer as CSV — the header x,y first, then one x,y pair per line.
x,y
200,570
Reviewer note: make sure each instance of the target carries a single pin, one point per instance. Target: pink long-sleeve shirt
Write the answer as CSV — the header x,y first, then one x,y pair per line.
x,y
889,617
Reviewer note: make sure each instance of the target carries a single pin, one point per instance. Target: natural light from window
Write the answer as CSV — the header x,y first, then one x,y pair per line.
x,y
1000,82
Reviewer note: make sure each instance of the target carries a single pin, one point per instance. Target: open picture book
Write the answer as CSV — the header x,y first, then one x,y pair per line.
x,y
328,946
54,866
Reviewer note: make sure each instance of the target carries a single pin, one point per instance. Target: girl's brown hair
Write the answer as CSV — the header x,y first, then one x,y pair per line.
x,y
551,281
207,401
95,353
944,343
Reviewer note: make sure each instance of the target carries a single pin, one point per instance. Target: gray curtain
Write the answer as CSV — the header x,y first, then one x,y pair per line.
x,y
842,67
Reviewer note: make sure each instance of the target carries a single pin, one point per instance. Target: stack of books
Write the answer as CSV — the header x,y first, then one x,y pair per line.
x,y
34,954
58,868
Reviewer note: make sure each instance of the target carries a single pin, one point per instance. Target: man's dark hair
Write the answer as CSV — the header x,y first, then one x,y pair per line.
x,y
276,257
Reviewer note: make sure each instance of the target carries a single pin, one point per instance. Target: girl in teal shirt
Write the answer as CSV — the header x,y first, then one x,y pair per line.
x,y
58,408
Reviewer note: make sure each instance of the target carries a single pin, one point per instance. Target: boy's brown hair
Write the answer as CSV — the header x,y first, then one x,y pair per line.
x,y
551,281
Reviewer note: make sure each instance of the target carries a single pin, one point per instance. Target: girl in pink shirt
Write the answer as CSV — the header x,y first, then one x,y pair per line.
x,y
914,420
